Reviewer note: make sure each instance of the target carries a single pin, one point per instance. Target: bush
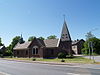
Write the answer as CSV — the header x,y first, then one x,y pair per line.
x,y
8,53
61,55
62,60
1,55
69,56
34,59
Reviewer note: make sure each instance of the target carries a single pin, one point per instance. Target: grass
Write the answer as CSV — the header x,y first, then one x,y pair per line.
x,y
76,59
69,60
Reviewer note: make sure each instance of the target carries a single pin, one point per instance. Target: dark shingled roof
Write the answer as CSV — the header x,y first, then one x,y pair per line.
x,y
51,42
23,45
43,43
76,41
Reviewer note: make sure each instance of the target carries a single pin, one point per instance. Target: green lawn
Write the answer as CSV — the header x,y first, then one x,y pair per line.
x,y
68,60
76,59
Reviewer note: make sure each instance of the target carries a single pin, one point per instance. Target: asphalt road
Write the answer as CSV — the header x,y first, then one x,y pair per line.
x,y
22,68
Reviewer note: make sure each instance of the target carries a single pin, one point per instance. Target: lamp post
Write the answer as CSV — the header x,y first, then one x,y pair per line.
x,y
92,51
89,50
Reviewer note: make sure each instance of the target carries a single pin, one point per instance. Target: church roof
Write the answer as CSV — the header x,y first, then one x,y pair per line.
x,y
43,43
51,42
77,41
24,45
65,36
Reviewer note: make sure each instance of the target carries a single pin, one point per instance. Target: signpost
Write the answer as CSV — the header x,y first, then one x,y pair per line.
x,y
91,51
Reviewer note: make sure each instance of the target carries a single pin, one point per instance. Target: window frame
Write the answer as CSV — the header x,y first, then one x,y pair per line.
x,y
35,50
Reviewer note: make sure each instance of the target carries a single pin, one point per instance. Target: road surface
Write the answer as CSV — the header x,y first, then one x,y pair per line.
x,y
22,68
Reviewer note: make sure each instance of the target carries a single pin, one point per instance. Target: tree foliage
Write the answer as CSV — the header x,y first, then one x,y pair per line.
x,y
42,38
89,35
61,55
15,40
31,38
96,45
52,37
9,51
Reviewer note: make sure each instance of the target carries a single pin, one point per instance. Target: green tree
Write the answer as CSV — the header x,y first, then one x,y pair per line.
x,y
96,45
52,37
89,35
31,38
9,51
42,38
15,40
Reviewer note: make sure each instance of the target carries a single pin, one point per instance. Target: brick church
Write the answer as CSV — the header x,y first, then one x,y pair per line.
x,y
49,48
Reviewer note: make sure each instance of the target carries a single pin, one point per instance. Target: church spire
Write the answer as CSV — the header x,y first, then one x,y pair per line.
x,y
21,35
65,36
21,39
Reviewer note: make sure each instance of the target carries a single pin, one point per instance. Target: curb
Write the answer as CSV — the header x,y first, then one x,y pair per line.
x,y
3,73
42,62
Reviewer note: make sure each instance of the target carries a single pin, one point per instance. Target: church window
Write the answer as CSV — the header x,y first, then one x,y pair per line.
x,y
35,50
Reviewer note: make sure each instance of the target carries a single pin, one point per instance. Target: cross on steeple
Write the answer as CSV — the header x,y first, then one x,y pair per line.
x,y
64,16
21,35
65,36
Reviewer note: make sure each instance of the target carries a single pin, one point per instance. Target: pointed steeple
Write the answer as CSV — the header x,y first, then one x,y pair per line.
x,y
21,39
65,36
21,35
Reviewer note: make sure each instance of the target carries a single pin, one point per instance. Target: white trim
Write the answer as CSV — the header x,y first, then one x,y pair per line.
x,y
34,47
58,42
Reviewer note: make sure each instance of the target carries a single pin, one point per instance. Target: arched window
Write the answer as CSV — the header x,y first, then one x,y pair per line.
x,y
35,50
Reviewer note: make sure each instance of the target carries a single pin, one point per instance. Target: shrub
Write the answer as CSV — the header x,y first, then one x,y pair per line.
x,y
69,56
34,59
61,55
1,55
8,53
62,60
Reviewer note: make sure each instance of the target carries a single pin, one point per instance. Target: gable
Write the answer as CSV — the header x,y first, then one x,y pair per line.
x,y
51,42
23,45
29,44
37,42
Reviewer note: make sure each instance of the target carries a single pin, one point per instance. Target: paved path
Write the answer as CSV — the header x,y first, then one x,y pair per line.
x,y
96,58
22,68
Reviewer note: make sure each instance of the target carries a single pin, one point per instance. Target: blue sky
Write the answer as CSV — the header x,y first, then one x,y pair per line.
x,y
45,17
